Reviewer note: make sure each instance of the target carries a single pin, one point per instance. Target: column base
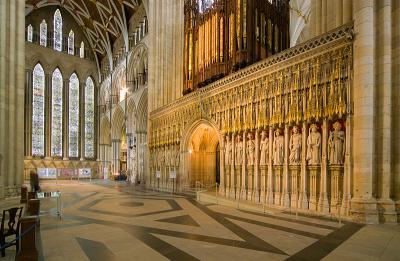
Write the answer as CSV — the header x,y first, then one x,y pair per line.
x,y
364,210
286,200
323,205
303,200
387,211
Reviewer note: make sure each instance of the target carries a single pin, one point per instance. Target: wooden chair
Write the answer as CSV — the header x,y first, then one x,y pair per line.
x,y
13,215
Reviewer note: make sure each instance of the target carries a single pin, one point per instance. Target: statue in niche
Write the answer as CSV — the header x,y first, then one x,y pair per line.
x,y
238,150
314,146
264,149
228,151
251,147
278,147
295,147
336,145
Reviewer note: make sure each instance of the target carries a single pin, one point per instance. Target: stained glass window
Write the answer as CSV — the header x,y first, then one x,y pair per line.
x,y
56,113
82,50
71,42
30,33
57,31
204,5
38,111
43,34
73,116
89,118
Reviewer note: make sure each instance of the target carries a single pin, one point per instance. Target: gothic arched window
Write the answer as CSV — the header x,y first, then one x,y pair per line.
x,y
43,33
38,111
56,113
89,118
71,42
57,30
82,50
73,116
29,33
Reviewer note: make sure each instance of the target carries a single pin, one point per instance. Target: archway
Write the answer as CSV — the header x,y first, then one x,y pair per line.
x,y
203,155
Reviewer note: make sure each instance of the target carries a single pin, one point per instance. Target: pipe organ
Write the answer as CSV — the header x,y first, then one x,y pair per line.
x,y
223,36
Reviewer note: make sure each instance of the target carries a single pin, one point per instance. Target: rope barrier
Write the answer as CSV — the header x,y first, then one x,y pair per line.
x,y
17,238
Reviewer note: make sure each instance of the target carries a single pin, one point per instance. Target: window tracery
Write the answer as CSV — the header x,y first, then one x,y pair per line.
x,y
89,118
56,113
71,42
43,33
73,114
57,31
38,111
30,33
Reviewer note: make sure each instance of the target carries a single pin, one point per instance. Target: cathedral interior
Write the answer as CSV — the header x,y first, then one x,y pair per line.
x,y
267,128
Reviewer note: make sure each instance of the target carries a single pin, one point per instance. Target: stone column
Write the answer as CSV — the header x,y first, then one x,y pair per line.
x,y
363,204
347,11
28,112
339,13
303,200
256,186
286,180
384,110
323,196
270,185
232,193
244,169
65,119
82,119
318,20
47,115
12,66
115,155
221,167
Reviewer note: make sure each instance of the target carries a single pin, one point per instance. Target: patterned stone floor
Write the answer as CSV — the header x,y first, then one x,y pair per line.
x,y
113,221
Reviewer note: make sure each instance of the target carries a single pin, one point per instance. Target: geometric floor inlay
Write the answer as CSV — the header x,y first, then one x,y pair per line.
x,y
132,223
180,220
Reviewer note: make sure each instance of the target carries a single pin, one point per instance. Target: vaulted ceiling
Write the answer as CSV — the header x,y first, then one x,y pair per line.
x,y
103,21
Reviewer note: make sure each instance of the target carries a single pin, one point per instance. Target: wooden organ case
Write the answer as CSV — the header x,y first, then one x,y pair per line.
x,y
223,36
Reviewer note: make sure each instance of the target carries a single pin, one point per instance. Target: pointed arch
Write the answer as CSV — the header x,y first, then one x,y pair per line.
x,y
89,118
117,122
56,113
43,33
38,103
141,126
73,116
71,43
105,134
57,27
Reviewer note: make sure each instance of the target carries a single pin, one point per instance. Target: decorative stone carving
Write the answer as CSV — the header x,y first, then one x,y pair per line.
x,y
177,156
251,147
314,146
295,147
228,151
264,149
278,148
336,145
238,150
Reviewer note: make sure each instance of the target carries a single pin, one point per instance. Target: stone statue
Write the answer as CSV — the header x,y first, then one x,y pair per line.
x,y
264,149
295,147
314,146
228,151
336,145
238,150
251,147
278,147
